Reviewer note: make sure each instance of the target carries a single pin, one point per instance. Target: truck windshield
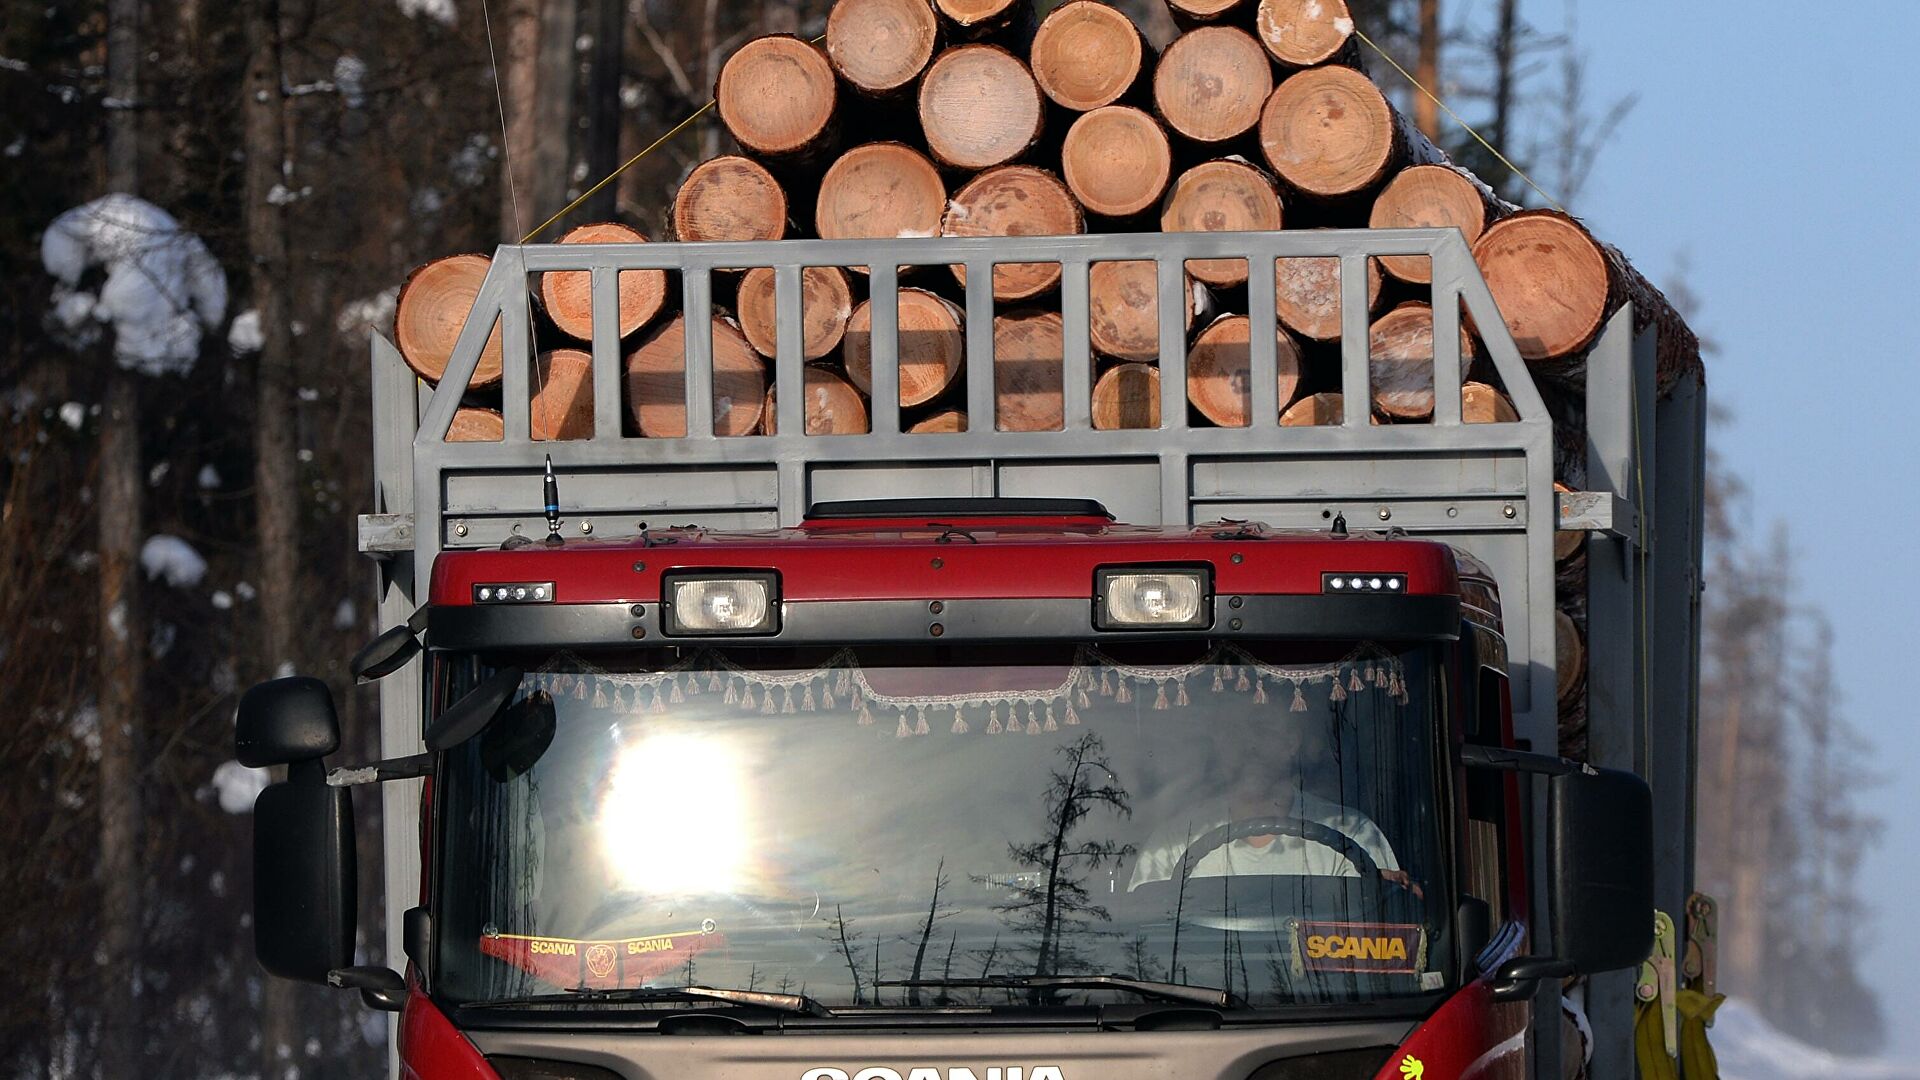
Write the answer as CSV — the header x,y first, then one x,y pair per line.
x,y
1255,818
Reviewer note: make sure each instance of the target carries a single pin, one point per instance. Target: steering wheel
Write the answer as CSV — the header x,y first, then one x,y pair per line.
x,y
1313,832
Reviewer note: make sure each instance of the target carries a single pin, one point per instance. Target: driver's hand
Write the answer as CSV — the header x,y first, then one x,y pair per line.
x,y
1400,878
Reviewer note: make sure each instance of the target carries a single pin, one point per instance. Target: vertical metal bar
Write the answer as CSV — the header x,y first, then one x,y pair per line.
x,y
789,362
606,352
1175,506
1076,386
494,294
883,302
1173,301
1263,363
1446,356
1354,380
516,354
981,417
696,290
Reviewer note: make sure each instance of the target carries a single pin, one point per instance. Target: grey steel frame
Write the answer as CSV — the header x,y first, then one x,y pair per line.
x,y
1487,488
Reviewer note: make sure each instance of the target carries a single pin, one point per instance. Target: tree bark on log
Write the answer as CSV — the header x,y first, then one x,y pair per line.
x,y
477,425
1123,309
729,198
1127,396
1221,196
657,376
567,295
826,302
1304,33
881,46
431,310
1014,200
1314,410
1210,84
1307,295
1220,365
1431,197
1088,54
880,190
1400,360
833,406
979,107
932,346
562,404
1116,160
1029,371
776,95
1332,135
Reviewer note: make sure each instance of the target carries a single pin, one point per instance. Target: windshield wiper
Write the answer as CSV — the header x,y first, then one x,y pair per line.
x,y
1198,995
790,1003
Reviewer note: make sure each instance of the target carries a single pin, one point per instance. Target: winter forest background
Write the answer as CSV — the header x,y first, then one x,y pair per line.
x,y
184,418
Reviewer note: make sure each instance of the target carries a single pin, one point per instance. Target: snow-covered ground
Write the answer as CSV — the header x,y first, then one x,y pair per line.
x,y
1751,1049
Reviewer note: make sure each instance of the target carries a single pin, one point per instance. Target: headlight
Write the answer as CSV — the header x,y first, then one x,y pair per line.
x,y
1149,599
725,603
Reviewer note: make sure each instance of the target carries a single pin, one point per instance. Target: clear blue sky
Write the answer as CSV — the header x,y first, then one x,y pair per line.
x,y
1776,149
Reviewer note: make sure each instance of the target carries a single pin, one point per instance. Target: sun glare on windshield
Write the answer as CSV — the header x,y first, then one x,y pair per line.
x,y
705,781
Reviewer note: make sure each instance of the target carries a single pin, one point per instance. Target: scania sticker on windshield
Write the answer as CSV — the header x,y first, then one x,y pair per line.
x,y
602,965
1374,948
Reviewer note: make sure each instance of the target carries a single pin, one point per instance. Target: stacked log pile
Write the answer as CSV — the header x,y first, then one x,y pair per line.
x,y
975,118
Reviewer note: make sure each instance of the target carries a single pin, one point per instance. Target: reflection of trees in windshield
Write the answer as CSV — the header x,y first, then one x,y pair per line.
x,y
937,911
1059,907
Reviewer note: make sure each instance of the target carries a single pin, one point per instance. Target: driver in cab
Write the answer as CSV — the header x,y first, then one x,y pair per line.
x,y
1272,773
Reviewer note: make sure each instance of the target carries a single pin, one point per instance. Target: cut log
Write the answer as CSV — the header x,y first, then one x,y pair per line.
x,y
881,190
1400,359
1569,657
1028,371
1087,54
1566,542
979,107
1123,309
1014,200
567,295
477,425
433,307
944,422
730,198
1127,396
1557,286
1331,134
1198,12
562,404
1314,410
973,18
1482,404
933,346
657,377
1219,367
826,302
880,46
1116,160
1306,295
833,406
776,96
1221,196
1430,197
1304,33
1210,84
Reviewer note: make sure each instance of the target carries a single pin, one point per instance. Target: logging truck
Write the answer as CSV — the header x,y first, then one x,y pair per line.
x,y
972,713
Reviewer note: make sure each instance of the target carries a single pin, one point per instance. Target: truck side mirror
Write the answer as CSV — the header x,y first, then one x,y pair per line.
x,y
1601,822
285,721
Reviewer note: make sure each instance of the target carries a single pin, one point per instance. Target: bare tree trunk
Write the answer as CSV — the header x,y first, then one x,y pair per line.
x,y
1504,36
275,473
121,913
550,166
517,60
603,104
1426,115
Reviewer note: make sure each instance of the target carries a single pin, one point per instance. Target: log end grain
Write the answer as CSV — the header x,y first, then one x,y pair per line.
x,y
1550,280
976,13
1221,196
1086,54
1116,160
1123,309
979,107
477,425
1427,197
826,303
730,198
881,190
1204,11
431,311
1569,657
833,406
1307,295
1014,200
1028,371
881,46
1210,85
656,381
1303,33
562,404
1314,410
776,95
1219,368
932,346
1329,132
944,422
1482,404
1127,396
1400,361
567,296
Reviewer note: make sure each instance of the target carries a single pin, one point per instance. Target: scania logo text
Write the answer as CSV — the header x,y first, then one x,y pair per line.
x,y
925,1072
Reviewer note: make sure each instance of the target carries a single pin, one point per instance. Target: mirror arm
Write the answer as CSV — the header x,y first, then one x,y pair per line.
x,y
400,768
1501,759
1520,976
380,988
